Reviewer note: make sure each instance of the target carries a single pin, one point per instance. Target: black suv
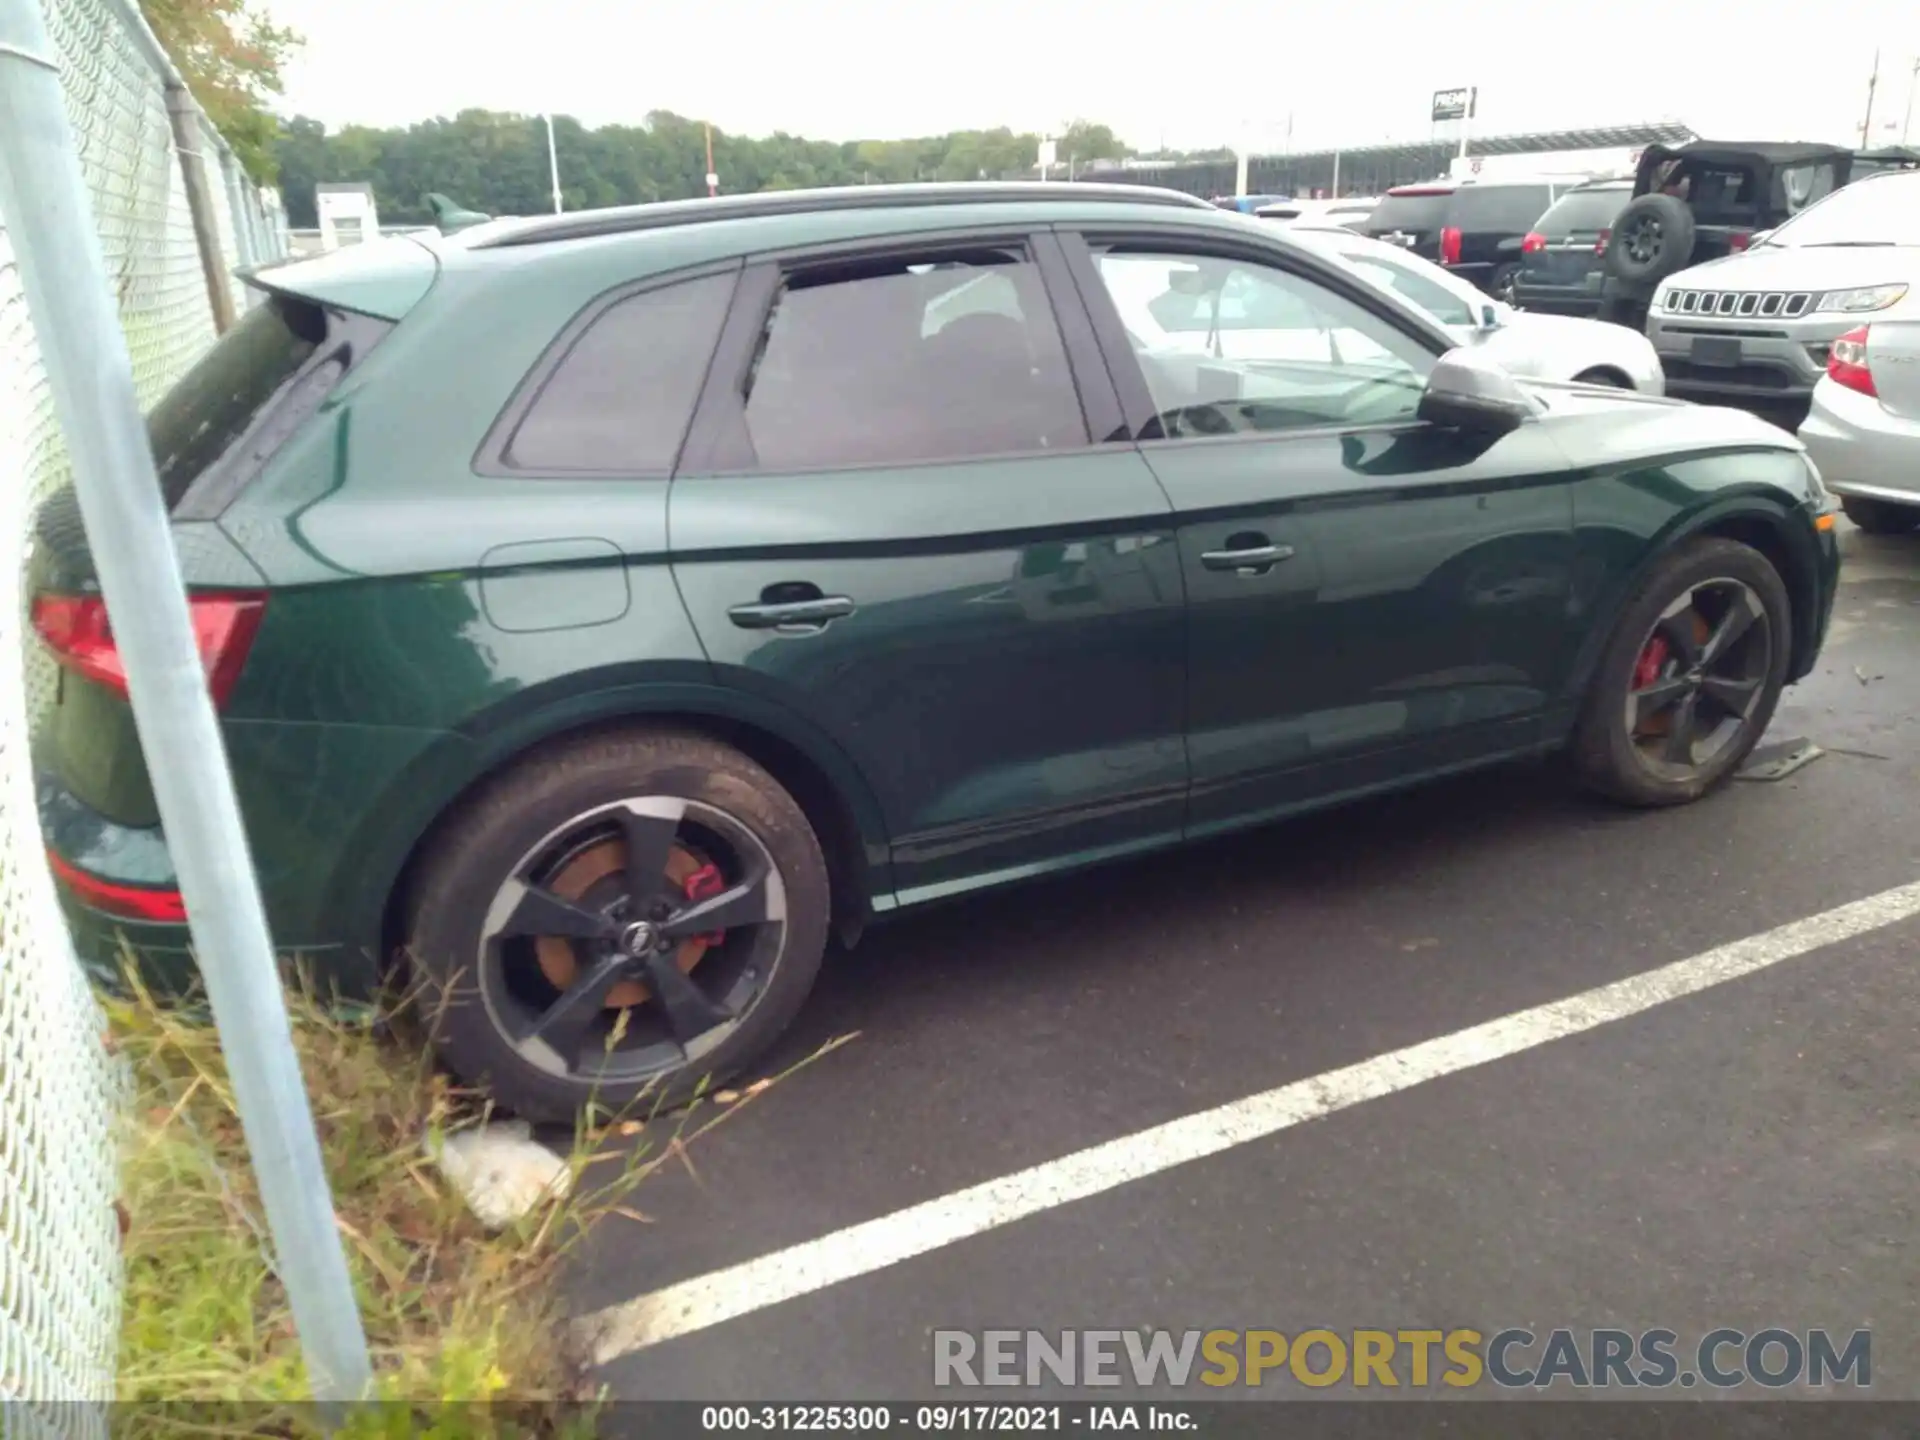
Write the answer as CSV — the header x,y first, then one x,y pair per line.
x,y
1706,200
1563,259
1473,227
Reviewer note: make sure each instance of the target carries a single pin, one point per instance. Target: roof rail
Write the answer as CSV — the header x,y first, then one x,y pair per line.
x,y
660,215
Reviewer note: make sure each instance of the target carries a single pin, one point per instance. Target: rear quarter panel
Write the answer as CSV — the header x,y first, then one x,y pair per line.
x,y
427,623
1893,352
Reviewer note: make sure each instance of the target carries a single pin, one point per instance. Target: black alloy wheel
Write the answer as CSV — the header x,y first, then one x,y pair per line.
x,y
1699,678
628,943
1689,677
631,915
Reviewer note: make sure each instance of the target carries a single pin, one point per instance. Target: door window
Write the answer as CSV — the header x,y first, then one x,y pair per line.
x,y
1229,346
892,361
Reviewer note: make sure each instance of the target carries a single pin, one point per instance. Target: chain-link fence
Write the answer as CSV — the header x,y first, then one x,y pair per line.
x,y
59,1085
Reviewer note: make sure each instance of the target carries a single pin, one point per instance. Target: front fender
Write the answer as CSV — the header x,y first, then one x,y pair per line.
x,y
1614,554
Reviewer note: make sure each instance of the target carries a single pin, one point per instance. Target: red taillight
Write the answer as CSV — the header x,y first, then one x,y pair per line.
x,y
1600,243
1738,241
1534,241
1847,362
132,902
1450,246
76,629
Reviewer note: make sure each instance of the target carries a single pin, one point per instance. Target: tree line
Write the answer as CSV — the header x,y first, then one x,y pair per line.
x,y
497,163
232,55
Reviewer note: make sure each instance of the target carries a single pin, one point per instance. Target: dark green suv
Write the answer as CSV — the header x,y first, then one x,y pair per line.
x,y
606,609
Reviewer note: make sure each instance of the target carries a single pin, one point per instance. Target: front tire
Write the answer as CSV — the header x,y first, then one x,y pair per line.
x,y
1881,517
1601,375
1689,678
617,920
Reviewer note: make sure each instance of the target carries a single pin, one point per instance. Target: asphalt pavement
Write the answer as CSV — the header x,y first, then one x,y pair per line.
x,y
1742,1156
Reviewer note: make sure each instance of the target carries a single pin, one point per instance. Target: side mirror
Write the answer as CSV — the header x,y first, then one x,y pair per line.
x,y
1465,392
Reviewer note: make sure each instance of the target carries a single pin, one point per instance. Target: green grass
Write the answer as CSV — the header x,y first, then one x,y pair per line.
x,y
454,1315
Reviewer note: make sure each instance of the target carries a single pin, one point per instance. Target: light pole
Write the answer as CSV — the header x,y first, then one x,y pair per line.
x,y
1906,125
553,163
1873,83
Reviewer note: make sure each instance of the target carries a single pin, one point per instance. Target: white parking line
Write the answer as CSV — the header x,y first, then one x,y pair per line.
x,y
862,1249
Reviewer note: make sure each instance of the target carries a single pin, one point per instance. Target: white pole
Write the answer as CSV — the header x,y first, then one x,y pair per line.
x,y
1873,83
1240,171
553,165
1466,120
70,305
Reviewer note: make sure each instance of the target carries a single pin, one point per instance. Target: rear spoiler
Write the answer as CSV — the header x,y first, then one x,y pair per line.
x,y
383,278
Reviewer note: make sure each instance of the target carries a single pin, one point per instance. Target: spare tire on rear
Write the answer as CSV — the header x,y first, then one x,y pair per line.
x,y
1652,239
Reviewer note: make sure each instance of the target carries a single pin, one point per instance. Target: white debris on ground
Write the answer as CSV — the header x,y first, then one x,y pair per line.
x,y
501,1171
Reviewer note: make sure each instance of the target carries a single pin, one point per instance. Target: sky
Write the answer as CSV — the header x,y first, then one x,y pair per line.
x,y
1200,73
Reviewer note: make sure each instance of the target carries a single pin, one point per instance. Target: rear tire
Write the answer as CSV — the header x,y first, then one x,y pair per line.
x,y
1666,718
543,951
1881,517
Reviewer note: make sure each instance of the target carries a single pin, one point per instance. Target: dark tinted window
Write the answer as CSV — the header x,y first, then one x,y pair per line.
x,y
1584,211
1500,209
1410,212
621,398
934,360
1714,192
211,406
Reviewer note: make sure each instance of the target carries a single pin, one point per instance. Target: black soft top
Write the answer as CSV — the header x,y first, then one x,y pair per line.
x,y
1747,152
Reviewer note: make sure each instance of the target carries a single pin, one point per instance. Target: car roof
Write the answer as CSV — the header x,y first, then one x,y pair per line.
x,y
592,249
630,219
1344,232
1454,187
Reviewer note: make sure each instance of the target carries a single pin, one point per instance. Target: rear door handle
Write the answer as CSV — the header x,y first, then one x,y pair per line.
x,y
1250,560
809,614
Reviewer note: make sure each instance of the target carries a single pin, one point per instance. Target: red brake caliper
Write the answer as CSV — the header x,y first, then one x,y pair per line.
x,y
1646,669
703,884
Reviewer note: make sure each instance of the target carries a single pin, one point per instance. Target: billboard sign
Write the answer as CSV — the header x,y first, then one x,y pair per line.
x,y
1455,104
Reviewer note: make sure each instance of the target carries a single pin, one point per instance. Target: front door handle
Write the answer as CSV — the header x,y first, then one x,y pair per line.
x,y
1247,559
809,614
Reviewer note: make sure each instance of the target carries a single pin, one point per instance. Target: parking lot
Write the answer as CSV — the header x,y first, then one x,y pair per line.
x,y
1741,1156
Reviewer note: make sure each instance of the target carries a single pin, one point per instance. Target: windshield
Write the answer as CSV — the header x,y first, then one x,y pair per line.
x,y
1883,211
1425,210
1584,210
1446,299
207,410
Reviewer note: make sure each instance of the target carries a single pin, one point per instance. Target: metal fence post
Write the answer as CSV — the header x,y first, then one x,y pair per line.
x,y
184,116
51,228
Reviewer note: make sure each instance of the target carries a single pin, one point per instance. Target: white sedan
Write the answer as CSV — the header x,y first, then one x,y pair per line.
x,y
1546,347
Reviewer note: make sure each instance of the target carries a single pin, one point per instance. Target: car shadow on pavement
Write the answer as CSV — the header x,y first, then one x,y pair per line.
x,y
1090,919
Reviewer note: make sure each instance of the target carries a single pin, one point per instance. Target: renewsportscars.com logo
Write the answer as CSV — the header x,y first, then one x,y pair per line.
x,y
1721,1359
